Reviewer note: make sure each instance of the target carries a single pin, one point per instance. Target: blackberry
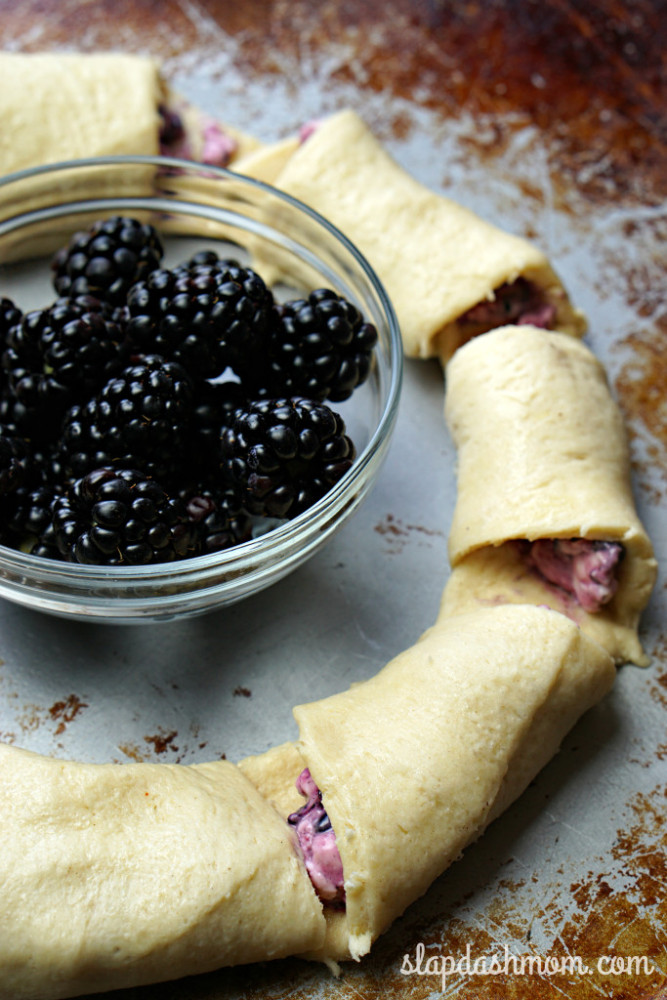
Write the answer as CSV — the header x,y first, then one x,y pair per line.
x,y
218,517
119,516
207,317
107,259
286,453
142,418
319,347
57,356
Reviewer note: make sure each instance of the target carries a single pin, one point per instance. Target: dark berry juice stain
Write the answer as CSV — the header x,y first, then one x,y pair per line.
x,y
187,751
390,526
162,742
396,532
64,712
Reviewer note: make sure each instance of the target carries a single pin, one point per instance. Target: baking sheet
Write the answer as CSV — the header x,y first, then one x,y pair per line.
x,y
550,122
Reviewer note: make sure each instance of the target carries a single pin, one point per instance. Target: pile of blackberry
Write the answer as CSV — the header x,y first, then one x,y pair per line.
x,y
150,414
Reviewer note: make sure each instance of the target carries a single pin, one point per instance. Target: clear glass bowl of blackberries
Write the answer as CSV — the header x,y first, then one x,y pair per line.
x,y
199,380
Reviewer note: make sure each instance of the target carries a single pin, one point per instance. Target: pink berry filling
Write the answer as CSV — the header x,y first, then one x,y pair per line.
x,y
217,149
586,569
317,841
518,302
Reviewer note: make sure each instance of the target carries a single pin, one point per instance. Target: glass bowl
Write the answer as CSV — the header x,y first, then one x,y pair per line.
x,y
295,250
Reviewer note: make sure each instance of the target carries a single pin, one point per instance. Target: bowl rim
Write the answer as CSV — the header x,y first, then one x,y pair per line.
x,y
282,535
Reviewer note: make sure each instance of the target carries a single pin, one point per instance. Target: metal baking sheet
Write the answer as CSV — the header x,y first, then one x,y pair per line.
x,y
548,120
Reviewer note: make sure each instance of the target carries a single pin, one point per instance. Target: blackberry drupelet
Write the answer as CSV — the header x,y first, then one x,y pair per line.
x,y
55,357
319,347
10,315
31,521
286,453
14,460
142,418
107,259
205,258
218,517
119,516
207,317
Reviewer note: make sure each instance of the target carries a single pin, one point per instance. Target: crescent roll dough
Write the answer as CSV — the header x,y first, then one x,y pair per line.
x,y
66,106
264,163
116,875
542,454
436,259
57,106
416,762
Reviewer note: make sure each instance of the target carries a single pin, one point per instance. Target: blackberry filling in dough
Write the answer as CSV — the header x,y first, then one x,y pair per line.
x,y
586,569
520,302
209,144
317,841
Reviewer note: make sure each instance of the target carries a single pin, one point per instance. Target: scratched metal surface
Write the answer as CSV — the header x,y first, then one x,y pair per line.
x,y
550,120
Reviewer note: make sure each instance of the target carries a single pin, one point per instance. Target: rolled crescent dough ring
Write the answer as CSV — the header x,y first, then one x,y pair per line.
x,y
120,875
541,453
416,762
435,258
117,875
